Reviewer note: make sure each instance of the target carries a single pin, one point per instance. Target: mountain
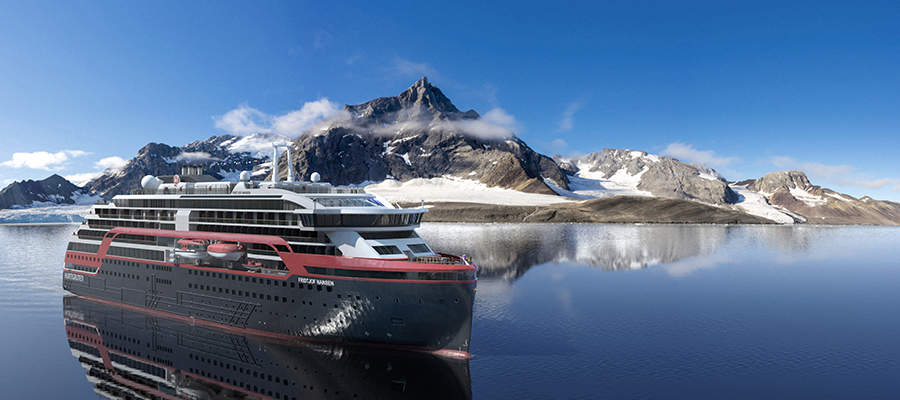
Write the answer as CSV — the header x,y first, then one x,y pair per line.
x,y
51,191
419,140
221,156
629,172
419,134
792,191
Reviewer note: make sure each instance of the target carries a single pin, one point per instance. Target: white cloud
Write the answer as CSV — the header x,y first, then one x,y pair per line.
x,y
568,117
81,179
246,120
844,175
688,153
115,164
494,124
198,156
42,159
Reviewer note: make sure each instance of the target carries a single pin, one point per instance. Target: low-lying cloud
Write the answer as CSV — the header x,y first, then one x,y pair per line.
x,y
688,153
114,164
246,120
494,124
199,156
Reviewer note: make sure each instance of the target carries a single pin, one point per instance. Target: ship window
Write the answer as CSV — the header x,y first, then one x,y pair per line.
x,y
419,248
292,284
389,235
385,250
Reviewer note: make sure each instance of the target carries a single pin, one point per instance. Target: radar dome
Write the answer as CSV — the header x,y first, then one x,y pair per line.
x,y
150,182
245,176
315,177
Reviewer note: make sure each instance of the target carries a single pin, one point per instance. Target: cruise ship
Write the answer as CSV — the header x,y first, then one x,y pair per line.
x,y
288,259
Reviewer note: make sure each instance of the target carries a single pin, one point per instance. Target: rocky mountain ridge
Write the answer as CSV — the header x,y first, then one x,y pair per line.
x,y
54,190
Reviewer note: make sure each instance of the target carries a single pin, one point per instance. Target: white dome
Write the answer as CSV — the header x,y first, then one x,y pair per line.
x,y
245,176
315,177
150,182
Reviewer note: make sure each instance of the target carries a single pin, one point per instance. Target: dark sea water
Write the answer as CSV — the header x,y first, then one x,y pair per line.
x,y
562,311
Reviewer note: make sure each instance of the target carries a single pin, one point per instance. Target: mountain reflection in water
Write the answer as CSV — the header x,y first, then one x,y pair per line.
x,y
127,354
509,250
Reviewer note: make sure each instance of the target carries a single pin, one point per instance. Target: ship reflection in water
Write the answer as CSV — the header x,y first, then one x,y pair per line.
x,y
128,354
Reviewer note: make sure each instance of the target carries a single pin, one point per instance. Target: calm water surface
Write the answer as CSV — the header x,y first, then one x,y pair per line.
x,y
562,311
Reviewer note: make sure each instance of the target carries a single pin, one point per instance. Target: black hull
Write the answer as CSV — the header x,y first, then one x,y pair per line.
x,y
130,354
422,315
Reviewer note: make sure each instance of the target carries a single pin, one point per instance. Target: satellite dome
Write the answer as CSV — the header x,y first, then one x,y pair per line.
x,y
150,182
315,177
245,176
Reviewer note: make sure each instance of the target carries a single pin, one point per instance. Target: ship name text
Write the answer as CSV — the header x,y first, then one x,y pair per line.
x,y
312,281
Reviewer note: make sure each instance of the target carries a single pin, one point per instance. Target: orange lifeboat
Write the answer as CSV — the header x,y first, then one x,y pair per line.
x,y
226,251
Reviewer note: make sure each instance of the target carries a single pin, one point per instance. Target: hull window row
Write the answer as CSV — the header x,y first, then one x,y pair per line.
x,y
125,213
136,253
389,235
419,276
84,247
360,220
346,202
83,268
91,235
288,234
109,224
245,218
218,203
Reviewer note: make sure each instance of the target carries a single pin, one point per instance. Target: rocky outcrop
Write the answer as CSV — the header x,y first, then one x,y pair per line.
x,y
674,179
661,176
53,190
792,191
419,134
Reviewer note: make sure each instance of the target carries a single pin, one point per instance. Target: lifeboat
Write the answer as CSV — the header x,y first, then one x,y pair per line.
x,y
192,249
226,251
252,265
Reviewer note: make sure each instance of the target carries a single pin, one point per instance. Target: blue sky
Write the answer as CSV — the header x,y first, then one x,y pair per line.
x,y
745,87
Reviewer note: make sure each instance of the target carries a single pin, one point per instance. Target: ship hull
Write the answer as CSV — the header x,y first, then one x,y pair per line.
x,y
435,316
